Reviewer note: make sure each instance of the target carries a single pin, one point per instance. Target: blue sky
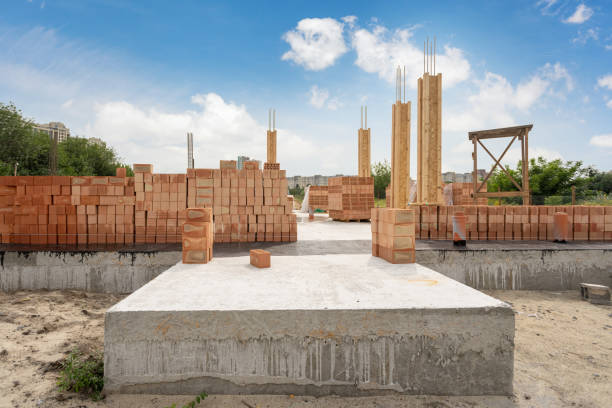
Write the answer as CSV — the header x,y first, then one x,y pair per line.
x,y
141,74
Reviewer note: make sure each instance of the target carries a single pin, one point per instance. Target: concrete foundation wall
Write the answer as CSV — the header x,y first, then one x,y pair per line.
x,y
124,272
441,352
110,272
522,269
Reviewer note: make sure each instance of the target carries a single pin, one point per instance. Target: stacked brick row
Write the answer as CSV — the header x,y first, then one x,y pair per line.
x,y
248,204
197,236
462,194
318,198
393,234
350,198
45,210
160,205
586,223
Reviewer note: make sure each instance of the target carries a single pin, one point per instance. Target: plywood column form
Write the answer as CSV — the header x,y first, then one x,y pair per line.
x,y
364,169
429,130
400,147
271,137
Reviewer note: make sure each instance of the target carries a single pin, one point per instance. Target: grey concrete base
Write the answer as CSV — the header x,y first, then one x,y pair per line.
x,y
316,325
110,272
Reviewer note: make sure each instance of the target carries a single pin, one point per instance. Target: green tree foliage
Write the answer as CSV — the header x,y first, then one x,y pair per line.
x,y
551,182
78,157
381,172
22,144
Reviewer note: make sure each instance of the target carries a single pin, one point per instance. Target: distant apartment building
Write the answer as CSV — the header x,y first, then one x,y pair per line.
x,y
96,141
242,159
54,129
303,181
452,177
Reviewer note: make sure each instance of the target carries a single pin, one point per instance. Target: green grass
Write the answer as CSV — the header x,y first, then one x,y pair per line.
x,y
380,202
82,374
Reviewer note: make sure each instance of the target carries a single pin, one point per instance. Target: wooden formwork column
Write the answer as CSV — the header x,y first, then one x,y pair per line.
x,y
364,153
429,139
400,154
271,157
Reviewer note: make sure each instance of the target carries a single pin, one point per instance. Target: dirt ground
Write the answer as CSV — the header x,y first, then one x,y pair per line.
x,y
563,356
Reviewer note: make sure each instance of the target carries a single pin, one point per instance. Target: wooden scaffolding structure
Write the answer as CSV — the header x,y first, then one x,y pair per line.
x,y
515,132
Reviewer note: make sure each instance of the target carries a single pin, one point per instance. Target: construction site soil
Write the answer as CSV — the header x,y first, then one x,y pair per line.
x,y
563,356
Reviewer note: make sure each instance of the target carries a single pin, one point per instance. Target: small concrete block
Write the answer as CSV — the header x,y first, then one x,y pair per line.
x,y
260,258
596,294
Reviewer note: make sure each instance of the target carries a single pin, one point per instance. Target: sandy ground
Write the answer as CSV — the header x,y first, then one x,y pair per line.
x,y
563,356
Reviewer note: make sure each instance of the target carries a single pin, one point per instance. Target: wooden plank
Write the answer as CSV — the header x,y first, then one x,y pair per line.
x,y
499,194
500,132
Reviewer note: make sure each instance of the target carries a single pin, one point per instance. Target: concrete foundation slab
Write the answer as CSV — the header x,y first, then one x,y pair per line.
x,y
316,325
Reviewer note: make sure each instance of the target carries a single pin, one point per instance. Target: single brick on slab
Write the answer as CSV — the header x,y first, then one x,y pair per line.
x,y
260,258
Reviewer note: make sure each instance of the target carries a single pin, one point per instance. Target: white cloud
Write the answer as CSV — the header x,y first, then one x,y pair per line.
x,y
316,43
608,47
350,20
586,35
496,101
582,14
319,98
381,51
222,130
605,81
602,140
609,104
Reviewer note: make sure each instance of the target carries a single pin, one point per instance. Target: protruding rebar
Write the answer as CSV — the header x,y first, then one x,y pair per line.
x,y
274,119
434,56
366,117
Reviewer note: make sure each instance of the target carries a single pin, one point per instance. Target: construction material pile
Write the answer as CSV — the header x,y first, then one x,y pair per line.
x,y
44,210
248,205
318,198
393,234
585,223
198,236
350,198
462,194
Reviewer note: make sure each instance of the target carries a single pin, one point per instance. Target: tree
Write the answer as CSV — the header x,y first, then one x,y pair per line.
x,y
381,172
79,157
550,182
21,144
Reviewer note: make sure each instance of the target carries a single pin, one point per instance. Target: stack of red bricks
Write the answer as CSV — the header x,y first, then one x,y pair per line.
x,y
462,194
161,201
483,222
393,234
350,198
67,210
317,198
248,204
198,236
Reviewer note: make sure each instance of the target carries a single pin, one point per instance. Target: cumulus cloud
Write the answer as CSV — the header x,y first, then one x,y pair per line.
x,y
605,81
585,35
319,98
496,100
380,51
609,104
582,14
602,140
316,43
221,129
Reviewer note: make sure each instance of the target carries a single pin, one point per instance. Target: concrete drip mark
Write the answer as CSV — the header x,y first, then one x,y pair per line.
x,y
2,259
